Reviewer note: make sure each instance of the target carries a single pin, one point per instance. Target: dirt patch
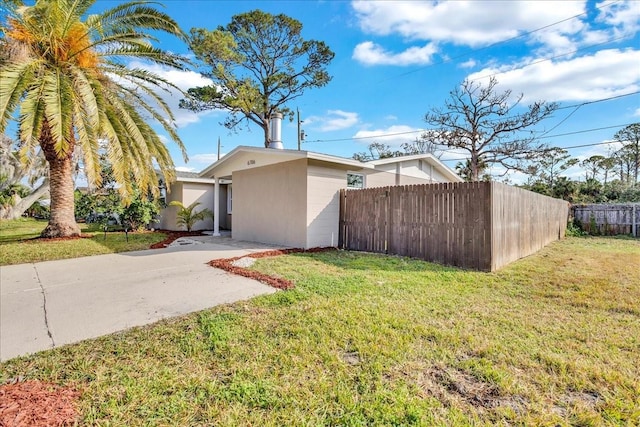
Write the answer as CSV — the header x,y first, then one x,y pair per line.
x,y
36,403
584,399
351,358
172,236
227,264
452,386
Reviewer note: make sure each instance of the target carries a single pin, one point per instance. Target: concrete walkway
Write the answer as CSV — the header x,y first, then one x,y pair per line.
x,y
53,303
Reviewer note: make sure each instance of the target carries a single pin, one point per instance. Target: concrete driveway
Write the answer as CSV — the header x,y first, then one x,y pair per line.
x,y
53,303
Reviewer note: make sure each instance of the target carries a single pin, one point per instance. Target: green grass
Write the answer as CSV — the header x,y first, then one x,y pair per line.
x,y
18,243
365,340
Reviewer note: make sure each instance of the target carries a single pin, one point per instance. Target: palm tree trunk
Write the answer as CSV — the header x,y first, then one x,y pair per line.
x,y
62,220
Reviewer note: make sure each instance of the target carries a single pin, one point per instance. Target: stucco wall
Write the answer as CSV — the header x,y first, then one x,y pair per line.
x,y
168,214
187,193
269,204
417,169
203,193
323,204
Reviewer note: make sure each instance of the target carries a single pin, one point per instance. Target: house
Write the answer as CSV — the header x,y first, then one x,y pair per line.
x,y
290,197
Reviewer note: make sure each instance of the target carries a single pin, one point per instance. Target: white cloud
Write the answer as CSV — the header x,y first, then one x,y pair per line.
x,y
205,158
468,64
470,23
185,169
549,29
636,113
622,16
333,120
606,73
393,135
183,80
369,53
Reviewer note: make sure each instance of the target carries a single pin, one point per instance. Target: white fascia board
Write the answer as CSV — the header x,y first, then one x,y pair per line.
x,y
195,180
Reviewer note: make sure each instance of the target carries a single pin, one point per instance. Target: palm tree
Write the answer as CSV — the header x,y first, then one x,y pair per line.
x,y
64,79
186,215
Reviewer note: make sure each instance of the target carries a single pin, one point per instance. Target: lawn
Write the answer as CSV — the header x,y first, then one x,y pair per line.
x,y
19,243
366,340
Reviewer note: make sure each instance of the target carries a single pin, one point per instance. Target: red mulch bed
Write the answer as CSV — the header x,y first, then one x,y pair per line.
x,y
36,403
276,282
173,235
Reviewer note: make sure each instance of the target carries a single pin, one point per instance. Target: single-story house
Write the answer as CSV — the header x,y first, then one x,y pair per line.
x,y
289,197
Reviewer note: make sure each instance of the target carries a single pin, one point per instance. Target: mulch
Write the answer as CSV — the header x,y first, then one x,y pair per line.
x,y
173,235
276,282
37,404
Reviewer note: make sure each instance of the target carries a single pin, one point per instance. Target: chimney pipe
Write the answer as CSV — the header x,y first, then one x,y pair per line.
x,y
276,131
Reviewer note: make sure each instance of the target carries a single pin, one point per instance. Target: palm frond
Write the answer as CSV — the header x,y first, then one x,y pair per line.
x,y
14,80
57,100
31,119
135,14
147,52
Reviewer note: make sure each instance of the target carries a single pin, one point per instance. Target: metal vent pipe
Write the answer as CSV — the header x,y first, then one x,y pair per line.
x,y
276,131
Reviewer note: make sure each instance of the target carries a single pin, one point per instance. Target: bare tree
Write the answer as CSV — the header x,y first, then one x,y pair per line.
x,y
485,123
13,174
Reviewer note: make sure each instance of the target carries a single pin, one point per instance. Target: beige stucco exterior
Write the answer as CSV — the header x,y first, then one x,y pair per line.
x,y
414,171
187,193
269,204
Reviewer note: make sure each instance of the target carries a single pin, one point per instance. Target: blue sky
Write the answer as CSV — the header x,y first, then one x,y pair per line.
x,y
395,60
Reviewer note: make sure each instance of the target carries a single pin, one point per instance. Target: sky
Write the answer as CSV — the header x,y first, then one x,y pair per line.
x,y
396,60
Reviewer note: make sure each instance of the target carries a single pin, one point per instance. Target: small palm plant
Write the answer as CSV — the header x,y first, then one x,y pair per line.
x,y
187,216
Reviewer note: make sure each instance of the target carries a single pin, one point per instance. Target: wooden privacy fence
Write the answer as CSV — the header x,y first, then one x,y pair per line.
x,y
476,225
609,219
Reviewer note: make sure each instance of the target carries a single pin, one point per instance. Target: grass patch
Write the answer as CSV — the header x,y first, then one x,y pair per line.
x,y
19,243
375,340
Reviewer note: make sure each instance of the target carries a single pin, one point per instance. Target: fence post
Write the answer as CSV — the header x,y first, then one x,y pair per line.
x,y
341,224
634,228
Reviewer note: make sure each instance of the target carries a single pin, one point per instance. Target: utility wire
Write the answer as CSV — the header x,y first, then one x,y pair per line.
x,y
594,144
548,59
384,135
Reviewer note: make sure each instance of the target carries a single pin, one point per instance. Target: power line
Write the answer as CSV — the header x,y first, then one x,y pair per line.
x,y
548,59
594,144
599,100
384,135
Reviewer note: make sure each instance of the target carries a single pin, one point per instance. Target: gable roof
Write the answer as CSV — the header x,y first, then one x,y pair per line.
x,y
428,157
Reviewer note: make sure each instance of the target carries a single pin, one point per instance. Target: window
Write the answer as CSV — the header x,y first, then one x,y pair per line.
x,y
229,198
355,180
